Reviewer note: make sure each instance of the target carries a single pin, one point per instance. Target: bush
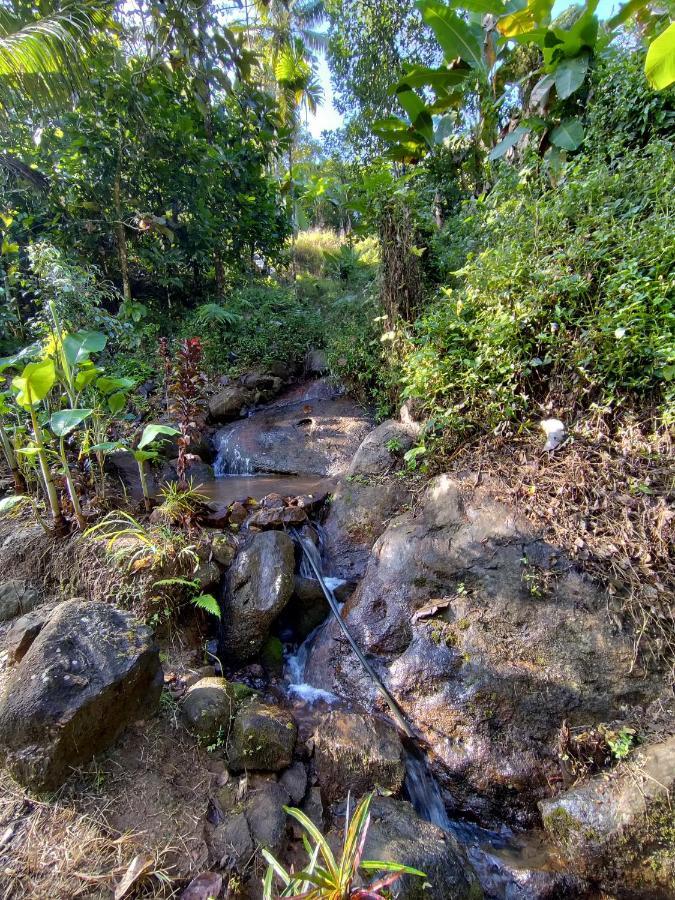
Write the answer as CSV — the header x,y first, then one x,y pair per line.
x,y
267,322
573,287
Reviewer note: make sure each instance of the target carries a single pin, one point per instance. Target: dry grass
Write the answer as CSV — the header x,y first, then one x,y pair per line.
x,y
606,498
52,850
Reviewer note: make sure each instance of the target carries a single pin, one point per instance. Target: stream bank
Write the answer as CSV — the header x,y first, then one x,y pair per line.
x,y
488,638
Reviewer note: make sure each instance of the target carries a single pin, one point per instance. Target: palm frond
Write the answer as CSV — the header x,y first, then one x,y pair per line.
x,y
42,61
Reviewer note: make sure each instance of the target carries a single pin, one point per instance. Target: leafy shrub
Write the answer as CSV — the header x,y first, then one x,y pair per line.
x,y
573,286
267,323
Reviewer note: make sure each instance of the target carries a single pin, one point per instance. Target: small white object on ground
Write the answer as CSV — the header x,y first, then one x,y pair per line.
x,y
555,433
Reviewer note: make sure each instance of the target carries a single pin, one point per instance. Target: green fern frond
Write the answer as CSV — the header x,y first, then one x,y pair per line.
x,y
208,603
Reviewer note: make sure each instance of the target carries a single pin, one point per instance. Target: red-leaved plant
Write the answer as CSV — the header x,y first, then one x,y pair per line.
x,y
185,382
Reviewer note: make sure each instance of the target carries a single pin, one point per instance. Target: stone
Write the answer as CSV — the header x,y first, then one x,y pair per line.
x,y
618,827
23,632
306,609
224,549
90,671
357,516
210,705
490,640
16,597
208,575
355,752
206,886
278,518
229,403
312,806
382,449
196,471
304,437
238,513
294,780
259,585
266,817
316,362
262,738
397,833
230,843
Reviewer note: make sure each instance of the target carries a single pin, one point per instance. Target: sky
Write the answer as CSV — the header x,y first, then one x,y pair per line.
x,y
327,117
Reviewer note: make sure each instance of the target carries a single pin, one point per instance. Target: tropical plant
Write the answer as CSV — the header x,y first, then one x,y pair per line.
x,y
44,57
144,547
180,504
334,879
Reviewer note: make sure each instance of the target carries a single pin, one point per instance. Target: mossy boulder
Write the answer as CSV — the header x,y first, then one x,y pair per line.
x,y
16,598
263,738
210,705
619,827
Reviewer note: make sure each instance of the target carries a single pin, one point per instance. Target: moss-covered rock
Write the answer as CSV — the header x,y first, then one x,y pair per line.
x,y
263,738
619,827
211,704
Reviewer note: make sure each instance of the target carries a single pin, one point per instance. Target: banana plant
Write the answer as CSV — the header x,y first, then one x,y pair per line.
x,y
142,453
62,423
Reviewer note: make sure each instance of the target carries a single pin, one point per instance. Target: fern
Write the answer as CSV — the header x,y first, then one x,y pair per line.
x,y
215,314
208,603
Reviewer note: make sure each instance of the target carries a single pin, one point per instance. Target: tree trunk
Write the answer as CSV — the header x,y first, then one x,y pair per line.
x,y
119,226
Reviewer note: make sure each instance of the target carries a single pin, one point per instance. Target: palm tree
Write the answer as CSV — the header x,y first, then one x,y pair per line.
x,y
42,58
282,22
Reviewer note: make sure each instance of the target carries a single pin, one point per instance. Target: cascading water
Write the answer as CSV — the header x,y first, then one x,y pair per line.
x,y
424,793
230,460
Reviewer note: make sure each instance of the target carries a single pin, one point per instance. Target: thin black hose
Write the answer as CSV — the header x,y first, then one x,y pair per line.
x,y
332,603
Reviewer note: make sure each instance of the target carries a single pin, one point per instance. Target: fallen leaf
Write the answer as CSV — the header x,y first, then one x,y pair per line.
x,y
139,866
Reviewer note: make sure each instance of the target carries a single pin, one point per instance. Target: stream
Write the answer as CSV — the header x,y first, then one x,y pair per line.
x,y
510,866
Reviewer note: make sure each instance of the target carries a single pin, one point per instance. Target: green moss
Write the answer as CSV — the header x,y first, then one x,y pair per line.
x,y
562,826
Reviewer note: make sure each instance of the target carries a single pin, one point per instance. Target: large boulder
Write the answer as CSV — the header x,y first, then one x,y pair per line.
x,y
16,598
619,827
303,437
359,513
229,403
357,752
262,739
259,585
90,671
210,705
397,834
382,449
490,640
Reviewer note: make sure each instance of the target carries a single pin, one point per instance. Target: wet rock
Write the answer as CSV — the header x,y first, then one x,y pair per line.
x,y
356,752
210,705
358,515
617,827
197,471
230,843
382,449
224,549
260,584
90,671
397,833
238,513
313,437
16,598
294,781
262,738
229,403
263,383
266,817
306,609
278,518
316,362
518,643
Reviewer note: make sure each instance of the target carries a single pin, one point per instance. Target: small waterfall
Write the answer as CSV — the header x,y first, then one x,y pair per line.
x,y
230,460
424,793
